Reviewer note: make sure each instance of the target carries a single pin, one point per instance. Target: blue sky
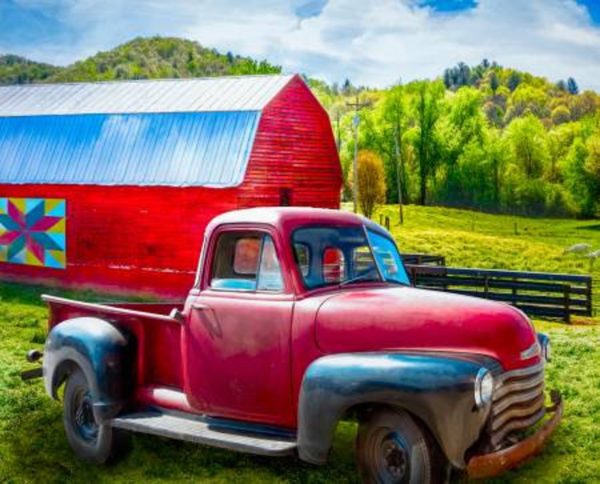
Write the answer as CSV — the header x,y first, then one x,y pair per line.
x,y
372,42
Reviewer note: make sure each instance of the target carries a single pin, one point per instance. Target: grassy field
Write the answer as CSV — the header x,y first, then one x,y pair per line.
x,y
32,443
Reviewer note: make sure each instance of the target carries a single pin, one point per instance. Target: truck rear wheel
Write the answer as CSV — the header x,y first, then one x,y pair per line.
x,y
94,442
392,448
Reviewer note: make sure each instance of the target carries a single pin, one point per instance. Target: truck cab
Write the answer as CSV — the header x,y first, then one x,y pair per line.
x,y
300,318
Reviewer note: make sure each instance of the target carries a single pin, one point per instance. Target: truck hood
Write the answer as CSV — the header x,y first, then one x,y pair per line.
x,y
406,318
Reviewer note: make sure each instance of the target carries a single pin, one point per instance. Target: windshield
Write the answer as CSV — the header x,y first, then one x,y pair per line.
x,y
343,255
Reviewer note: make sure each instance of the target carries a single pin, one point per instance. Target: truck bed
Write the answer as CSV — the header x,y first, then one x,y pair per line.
x,y
156,327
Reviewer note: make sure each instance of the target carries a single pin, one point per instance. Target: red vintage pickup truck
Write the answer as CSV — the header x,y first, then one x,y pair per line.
x,y
300,318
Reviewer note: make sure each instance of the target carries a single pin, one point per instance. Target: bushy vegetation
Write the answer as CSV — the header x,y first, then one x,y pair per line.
x,y
487,137
33,447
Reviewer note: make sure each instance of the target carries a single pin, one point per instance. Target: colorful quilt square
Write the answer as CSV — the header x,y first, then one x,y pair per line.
x,y
33,232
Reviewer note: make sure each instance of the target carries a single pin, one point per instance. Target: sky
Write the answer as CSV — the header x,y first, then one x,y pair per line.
x,y
372,42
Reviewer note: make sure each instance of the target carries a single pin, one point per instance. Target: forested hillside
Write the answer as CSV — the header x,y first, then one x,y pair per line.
x,y
18,70
486,137
141,58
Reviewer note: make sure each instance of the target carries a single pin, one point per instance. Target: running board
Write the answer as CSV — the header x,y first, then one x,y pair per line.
x,y
195,429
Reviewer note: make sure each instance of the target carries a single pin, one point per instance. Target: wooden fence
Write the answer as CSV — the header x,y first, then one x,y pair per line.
x,y
536,293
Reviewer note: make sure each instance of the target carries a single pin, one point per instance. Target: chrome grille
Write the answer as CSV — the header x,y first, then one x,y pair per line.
x,y
518,402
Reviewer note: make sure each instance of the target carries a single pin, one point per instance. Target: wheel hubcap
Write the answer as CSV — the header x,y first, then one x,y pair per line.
x,y
394,458
84,420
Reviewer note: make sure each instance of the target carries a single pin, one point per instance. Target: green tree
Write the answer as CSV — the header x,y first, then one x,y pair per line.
x,y
427,104
527,138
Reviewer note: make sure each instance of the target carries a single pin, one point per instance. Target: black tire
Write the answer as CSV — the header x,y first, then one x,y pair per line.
x,y
98,443
392,448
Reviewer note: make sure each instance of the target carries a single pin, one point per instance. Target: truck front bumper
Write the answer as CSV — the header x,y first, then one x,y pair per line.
x,y
494,464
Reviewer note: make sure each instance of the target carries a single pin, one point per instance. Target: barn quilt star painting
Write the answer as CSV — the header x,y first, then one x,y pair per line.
x,y
32,232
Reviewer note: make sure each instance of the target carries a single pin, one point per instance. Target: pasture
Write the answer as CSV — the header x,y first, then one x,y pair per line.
x,y
32,443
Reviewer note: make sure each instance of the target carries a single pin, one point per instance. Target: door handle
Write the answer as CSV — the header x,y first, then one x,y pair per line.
x,y
199,306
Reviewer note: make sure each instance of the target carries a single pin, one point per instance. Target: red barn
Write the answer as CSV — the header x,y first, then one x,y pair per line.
x,y
110,185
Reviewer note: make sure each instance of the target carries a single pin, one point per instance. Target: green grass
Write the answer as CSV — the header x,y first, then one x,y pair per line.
x,y
32,443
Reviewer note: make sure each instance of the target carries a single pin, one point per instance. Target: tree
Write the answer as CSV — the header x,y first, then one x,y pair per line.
x,y
427,106
592,168
494,82
561,86
577,180
572,86
527,137
561,114
514,80
371,182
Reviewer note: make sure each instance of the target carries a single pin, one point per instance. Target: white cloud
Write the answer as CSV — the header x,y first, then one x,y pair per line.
x,y
371,42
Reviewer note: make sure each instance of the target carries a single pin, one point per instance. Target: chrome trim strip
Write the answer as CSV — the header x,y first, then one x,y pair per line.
x,y
518,386
533,350
522,397
515,425
502,377
517,412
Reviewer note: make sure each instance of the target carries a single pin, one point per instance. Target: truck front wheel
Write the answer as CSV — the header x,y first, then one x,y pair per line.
x,y
392,448
94,442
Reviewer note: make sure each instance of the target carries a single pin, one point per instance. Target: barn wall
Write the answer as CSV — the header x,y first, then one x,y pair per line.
x,y
294,148
133,239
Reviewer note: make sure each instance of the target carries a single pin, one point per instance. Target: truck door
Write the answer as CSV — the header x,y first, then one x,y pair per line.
x,y
237,358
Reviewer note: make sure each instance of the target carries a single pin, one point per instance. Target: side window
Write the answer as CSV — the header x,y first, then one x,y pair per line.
x,y
334,265
269,276
245,262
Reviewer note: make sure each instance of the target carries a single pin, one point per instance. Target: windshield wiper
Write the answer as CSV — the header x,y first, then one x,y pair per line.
x,y
365,276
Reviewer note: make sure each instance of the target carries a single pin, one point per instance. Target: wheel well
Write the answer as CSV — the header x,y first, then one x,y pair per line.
x,y
61,373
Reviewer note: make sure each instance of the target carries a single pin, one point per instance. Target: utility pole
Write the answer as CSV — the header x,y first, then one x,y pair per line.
x,y
398,173
357,106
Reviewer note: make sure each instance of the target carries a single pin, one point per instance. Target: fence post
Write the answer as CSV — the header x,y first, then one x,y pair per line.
x,y
486,286
514,292
566,292
387,222
588,296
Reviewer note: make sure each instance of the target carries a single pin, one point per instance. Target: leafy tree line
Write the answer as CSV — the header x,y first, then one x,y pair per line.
x,y
484,137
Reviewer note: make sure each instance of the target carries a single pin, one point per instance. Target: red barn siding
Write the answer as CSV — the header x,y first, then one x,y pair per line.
x,y
130,239
148,239
294,148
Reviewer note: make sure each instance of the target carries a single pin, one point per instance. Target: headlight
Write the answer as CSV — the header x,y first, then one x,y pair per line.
x,y
484,388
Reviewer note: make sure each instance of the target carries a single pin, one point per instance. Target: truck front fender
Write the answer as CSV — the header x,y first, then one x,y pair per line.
x,y
102,351
436,388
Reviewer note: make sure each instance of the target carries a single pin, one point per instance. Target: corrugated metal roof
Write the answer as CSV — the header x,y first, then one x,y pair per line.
x,y
243,93
178,149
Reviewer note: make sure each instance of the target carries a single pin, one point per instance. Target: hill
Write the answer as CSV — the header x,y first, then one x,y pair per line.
x,y
141,58
161,57
18,70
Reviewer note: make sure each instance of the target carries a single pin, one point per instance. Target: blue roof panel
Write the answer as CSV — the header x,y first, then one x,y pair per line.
x,y
174,149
